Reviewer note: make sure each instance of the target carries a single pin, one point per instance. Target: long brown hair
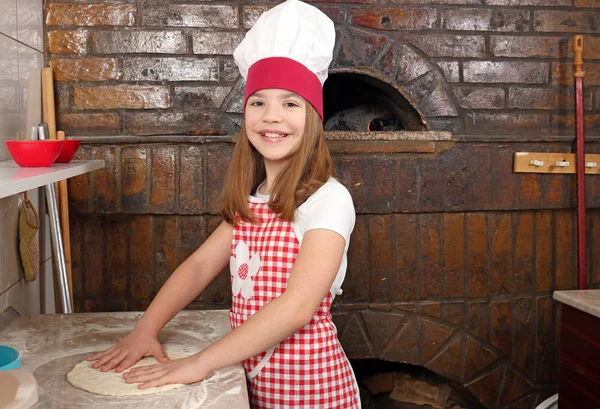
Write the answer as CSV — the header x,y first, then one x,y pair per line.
x,y
309,168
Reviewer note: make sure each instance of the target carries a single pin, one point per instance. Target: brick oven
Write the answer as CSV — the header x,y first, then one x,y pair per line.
x,y
454,257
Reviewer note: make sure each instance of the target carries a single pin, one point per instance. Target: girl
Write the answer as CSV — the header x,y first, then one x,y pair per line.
x,y
285,235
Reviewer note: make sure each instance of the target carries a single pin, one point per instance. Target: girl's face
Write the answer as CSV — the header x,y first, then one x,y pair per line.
x,y
274,120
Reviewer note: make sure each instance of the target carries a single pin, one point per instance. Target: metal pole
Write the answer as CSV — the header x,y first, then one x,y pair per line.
x,y
580,155
57,242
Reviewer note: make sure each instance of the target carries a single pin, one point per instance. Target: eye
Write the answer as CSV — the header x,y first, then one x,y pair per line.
x,y
291,104
256,103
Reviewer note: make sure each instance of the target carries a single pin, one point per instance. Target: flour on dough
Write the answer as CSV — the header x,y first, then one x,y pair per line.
x,y
111,383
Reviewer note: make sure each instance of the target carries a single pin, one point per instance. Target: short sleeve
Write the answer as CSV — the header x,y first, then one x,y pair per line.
x,y
330,208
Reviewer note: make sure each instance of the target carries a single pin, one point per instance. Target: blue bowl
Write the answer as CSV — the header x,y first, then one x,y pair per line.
x,y
9,358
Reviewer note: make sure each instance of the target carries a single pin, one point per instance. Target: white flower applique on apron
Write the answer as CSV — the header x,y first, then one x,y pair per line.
x,y
243,268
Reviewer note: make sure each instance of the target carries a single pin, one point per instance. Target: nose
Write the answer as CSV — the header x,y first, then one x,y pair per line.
x,y
272,113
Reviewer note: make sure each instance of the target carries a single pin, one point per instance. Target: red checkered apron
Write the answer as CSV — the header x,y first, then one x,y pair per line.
x,y
309,369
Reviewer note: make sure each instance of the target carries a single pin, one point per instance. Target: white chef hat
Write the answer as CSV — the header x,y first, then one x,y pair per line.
x,y
289,47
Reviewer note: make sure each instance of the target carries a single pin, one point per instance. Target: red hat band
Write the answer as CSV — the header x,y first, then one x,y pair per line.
x,y
288,74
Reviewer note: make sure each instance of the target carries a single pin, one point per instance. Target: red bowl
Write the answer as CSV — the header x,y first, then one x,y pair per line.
x,y
69,149
34,153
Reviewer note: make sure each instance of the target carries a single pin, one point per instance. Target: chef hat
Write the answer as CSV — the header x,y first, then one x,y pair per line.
x,y
289,47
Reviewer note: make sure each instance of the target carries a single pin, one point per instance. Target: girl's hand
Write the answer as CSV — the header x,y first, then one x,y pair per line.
x,y
185,370
136,345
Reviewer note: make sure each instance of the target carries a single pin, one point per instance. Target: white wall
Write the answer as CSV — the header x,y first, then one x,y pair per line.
x,y
21,57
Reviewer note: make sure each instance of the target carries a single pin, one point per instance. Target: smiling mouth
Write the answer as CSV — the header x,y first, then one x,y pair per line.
x,y
271,135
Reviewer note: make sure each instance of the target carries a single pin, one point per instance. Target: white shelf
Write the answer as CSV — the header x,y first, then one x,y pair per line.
x,y
15,179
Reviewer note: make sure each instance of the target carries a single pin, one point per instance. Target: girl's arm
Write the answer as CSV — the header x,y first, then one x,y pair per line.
x,y
313,273
183,286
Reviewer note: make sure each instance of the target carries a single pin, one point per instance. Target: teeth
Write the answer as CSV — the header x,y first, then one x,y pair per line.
x,y
273,135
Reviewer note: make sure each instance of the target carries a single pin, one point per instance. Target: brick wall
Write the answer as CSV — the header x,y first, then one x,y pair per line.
x,y
150,67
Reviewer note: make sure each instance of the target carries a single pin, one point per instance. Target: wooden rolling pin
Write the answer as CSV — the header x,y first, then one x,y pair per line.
x,y
63,206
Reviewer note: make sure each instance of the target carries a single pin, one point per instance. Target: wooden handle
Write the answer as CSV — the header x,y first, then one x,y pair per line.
x,y
48,101
63,205
578,49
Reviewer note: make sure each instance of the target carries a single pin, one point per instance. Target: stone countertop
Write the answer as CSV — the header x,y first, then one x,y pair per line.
x,y
583,300
51,345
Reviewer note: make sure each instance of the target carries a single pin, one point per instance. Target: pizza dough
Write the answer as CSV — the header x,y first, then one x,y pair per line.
x,y
111,383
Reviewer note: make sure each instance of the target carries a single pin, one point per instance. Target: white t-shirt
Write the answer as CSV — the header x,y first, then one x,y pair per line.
x,y
331,208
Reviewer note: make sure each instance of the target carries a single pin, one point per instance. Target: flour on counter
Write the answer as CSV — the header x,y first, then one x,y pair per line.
x,y
111,383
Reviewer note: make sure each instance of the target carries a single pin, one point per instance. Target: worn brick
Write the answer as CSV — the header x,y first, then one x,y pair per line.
x,y
63,97
453,165
88,124
93,257
502,252
431,309
85,69
333,12
478,322
448,362
562,73
217,158
148,42
450,69
405,346
594,244
190,15
200,96
79,186
251,13
433,335
479,97
105,179
565,124
566,21
191,179
170,69
545,3
554,190
454,313
67,41
58,14
352,173
140,258
122,96
504,180
163,198
527,47
591,48
546,338
164,233
541,98
486,388
530,190
407,186
360,47
523,354
215,42
523,72
454,255
229,72
564,250
408,64
380,258
523,280
446,45
134,169
482,19
385,18
76,245
430,271
507,123
500,326
381,191
117,273
432,195
356,283
192,233
477,358
479,176
543,251
169,123
405,229
478,279
587,3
